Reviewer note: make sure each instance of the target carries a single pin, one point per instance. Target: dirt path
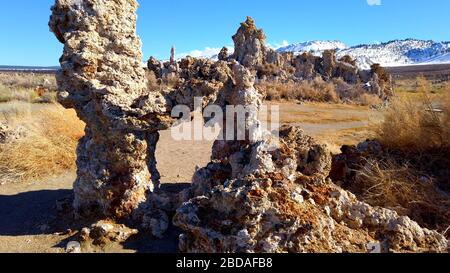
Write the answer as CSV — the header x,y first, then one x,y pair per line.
x,y
28,211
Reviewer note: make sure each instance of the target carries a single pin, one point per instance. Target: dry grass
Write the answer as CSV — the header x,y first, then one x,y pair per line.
x,y
325,113
27,87
8,93
369,100
387,183
319,117
28,80
416,126
335,139
413,85
47,146
167,83
316,90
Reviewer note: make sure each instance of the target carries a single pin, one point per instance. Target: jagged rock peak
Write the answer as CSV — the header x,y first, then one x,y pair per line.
x,y
249,44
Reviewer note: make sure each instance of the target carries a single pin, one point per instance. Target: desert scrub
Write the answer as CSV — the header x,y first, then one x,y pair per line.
x,y
365,99
36,95
8,93
43,141
316,90
392,182
28,80
416,125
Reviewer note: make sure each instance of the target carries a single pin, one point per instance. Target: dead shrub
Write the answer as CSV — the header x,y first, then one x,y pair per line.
x,y
153,84
366,99
29,80
170,81
399,186
47,147
416,126
315,90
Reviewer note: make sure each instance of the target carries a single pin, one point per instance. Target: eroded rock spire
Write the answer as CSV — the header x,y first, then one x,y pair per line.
x,y
102,78
249,44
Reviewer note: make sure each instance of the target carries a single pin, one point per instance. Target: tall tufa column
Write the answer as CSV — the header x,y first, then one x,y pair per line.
x,y
103,79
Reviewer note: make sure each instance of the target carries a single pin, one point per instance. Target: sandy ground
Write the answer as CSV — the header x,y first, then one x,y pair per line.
x,y
29,221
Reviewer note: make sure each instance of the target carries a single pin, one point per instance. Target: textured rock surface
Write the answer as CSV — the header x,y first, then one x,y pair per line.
x,y
223,54
277,208
102,79
104,232
254,199
249,44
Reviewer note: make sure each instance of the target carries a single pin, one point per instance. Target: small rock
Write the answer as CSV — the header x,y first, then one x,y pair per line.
x,y
298,197
73,247
374,247
103,232
85,234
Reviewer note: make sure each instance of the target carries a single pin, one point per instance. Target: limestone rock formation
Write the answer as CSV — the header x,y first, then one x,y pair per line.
x,y
251,198
258,193
252,52
156,66
328,63
223,54
102,79
280,207
249,44
10,133
104,232
172,55
201,78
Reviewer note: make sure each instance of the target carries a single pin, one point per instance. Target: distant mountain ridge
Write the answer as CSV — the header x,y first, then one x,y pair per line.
x,y
392,53
315,47
28,68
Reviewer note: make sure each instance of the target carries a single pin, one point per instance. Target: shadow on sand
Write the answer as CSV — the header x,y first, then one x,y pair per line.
x,y
35,213
30,213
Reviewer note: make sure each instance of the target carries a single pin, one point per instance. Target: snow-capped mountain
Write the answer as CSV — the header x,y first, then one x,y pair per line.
x,y
393,53
315,47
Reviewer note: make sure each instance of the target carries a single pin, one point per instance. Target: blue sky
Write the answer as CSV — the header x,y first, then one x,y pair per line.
x,y
196,24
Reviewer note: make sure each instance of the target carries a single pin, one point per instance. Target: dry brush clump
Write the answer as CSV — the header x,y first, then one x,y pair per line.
x,y
27,87
29,80
416,126
316,90
395,184
37,142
